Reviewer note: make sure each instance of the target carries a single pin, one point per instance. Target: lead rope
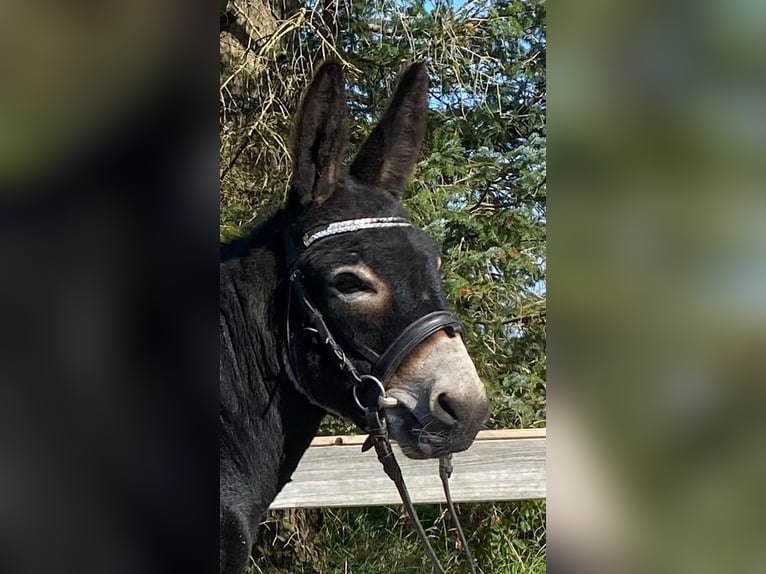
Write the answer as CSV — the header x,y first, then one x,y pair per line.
x,y
445,471
379,439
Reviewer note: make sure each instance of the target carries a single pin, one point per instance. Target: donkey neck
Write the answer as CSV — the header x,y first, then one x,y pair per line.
x,y
251,273
260,407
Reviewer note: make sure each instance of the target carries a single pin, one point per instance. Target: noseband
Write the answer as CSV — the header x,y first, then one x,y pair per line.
x,y
369,390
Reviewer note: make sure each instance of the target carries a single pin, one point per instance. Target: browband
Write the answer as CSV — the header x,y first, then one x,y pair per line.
x,y
349,225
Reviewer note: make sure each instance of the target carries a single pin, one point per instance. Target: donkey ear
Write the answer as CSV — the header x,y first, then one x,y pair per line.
x,y
388,156
319,137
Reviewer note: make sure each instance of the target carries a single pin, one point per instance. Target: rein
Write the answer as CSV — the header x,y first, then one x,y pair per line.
x,y
369,390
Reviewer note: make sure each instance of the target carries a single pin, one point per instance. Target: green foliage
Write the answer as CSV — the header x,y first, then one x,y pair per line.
x,y
479,190
506,538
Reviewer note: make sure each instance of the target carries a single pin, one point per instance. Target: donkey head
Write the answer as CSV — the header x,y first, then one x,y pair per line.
x,y
372,283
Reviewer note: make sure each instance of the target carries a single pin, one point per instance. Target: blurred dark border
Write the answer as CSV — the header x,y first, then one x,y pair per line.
x,y
657,287
108,304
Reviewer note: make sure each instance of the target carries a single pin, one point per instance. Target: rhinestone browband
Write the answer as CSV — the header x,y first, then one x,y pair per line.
x,y
354,225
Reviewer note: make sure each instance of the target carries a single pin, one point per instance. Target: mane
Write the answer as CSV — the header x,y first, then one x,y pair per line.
x,y
258,233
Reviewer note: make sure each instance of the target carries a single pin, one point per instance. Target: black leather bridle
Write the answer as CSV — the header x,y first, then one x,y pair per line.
x,y
383,365
369,390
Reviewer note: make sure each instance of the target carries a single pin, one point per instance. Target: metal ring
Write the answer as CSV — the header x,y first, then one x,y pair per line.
x,y
377,382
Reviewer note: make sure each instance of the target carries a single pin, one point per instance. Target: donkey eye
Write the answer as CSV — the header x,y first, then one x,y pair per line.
x,y
348,283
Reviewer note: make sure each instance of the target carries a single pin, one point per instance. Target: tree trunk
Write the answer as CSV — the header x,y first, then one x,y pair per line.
x,y
245,27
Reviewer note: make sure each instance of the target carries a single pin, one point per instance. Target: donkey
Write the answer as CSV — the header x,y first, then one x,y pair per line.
x,y
370,277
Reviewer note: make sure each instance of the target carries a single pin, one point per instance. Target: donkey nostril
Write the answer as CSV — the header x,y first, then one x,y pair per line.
x,y
444,403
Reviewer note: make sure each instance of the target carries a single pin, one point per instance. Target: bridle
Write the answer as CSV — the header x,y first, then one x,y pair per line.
x,y
369,390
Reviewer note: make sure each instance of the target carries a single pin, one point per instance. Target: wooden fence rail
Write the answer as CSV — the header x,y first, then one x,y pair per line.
x,y
500,465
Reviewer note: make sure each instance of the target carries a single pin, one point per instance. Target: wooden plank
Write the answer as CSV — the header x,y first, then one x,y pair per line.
x,y
337,440
493,469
